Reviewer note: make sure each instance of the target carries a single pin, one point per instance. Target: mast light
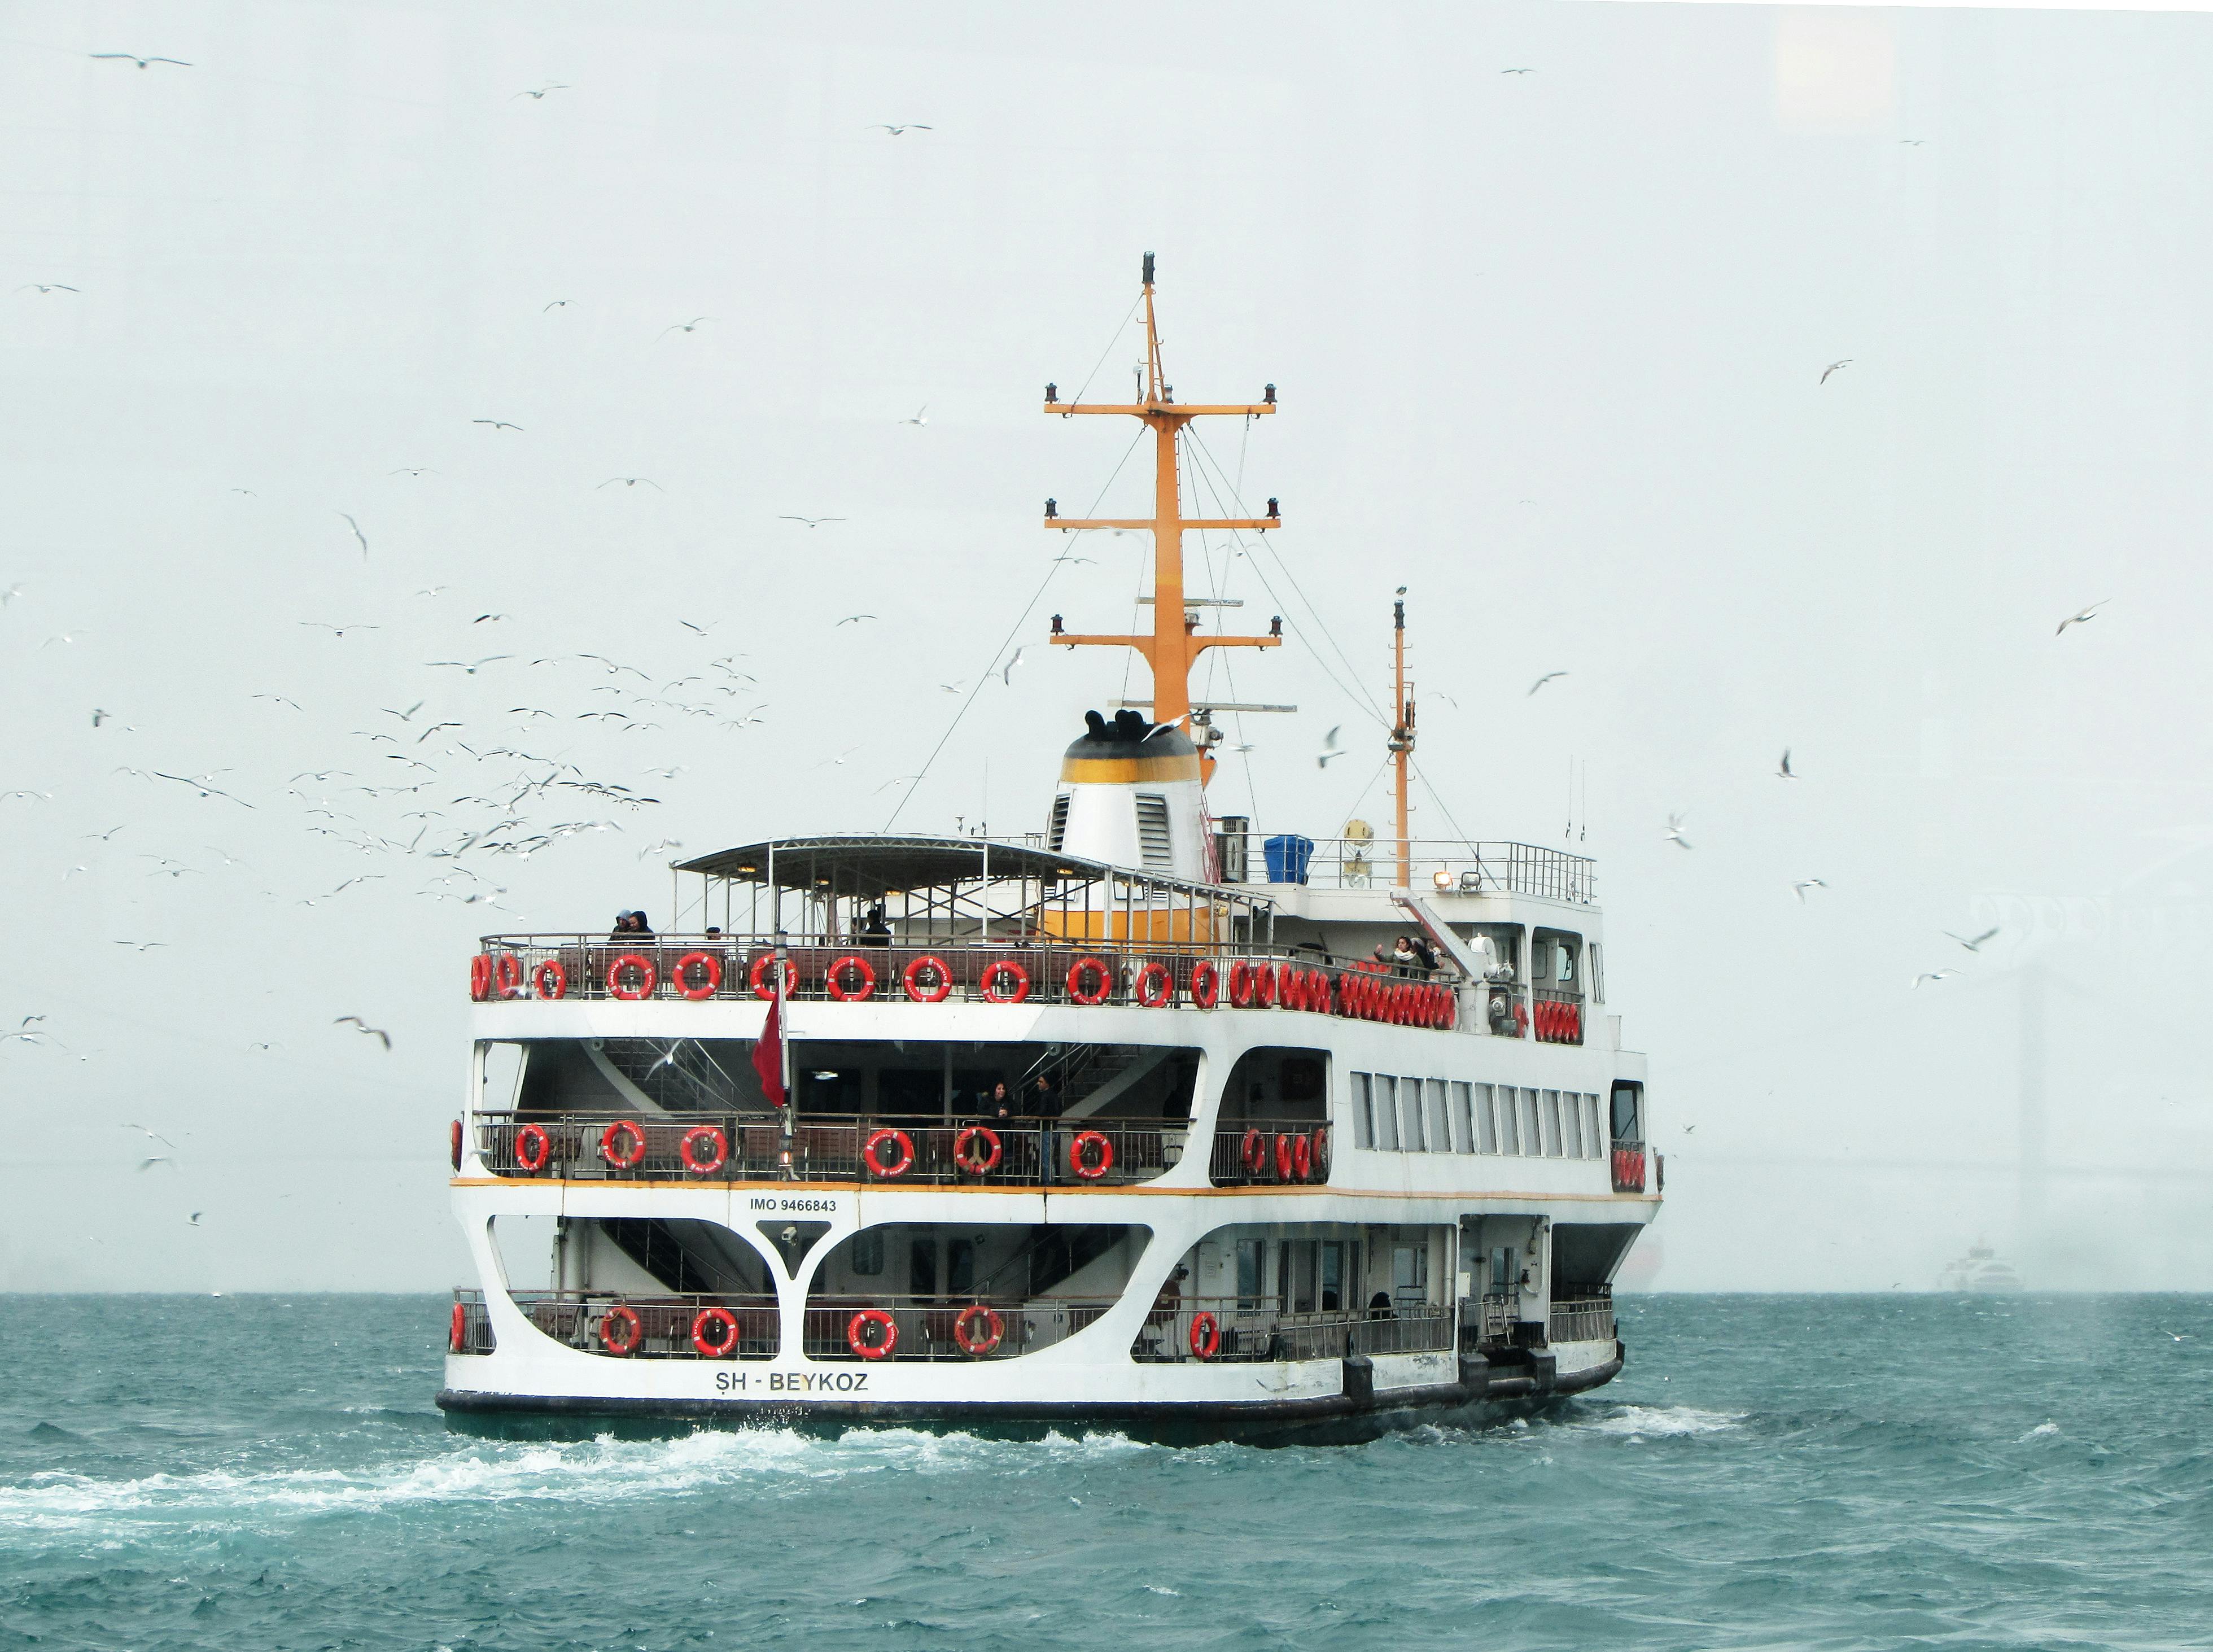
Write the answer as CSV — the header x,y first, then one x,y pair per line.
x,y
1276,625
1267,394
1052,393
1051,508
1275,509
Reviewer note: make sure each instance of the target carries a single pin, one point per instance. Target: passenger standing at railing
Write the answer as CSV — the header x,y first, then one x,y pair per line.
x,y
875,930
1044,1103
1426,953
1405,959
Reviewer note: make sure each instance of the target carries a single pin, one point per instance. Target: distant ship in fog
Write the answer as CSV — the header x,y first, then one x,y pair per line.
x,y
1982,1271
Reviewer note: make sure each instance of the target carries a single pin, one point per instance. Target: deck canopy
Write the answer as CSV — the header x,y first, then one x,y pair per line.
x,y
948,886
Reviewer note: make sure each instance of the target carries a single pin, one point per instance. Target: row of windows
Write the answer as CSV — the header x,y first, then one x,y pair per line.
x,y
1435,1115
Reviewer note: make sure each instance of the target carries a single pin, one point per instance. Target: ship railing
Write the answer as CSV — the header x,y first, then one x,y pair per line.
x,y
1434,866
1490,1317
1583,1318
472,1324
1628,1166
665,1326
1268,1152
1206,1329
868,1329
881,1150
709,968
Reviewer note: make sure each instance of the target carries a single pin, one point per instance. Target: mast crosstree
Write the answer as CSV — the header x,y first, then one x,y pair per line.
x,y
1175,643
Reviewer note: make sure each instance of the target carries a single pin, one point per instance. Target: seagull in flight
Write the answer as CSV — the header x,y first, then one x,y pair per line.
x,y
684,326
1675,833
2083,618
129,57
1782,770
558,303
472,668
534,95
1517,71
414,470
1542,680
46,287
1834,367
1934,975
853,619
498,425
922,417
1975,944
1330,750
1006,676
812,521
362,538
337,631
363,1026
901,131
632,481
1804,884
142,946
201,786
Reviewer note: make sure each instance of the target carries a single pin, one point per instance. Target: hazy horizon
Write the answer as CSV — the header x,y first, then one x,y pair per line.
x,y
1550,349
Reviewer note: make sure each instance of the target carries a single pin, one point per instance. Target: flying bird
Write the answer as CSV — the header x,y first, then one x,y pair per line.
x,y
1006,676
1804,884
201,786
195,1217
1517,71
279,699
128,56
1834,367
1913,143
1330,751
2083,618
362,538
471,668
901,131
1675,833
46,287
812,521
142,946
337,631
535,93
498,425
558,303
922,417
632,482
853,619
1934,975
363,1028
490,619
1975,944
415,470
1782,770
684,326
1542,680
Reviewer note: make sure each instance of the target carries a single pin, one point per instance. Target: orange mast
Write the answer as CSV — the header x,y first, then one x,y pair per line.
x,y
1175,646
1401,743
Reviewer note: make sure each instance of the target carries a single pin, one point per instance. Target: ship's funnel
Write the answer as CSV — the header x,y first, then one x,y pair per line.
x,y
1129,796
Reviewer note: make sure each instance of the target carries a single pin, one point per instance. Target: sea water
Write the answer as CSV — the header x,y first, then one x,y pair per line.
x,y
1822,1472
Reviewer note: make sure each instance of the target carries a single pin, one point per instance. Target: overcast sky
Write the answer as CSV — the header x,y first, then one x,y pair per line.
x,y
1549,347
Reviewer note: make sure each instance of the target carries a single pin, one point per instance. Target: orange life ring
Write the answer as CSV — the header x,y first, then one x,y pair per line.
x,y
1240,984
1448,1010
533,1146
965,1156
993,971
620,1160
480,976
835,981
897,1168
625,1340
456,1144
1093,967
646,978
1205,1336
457,1338
1318,992
911,978
1255,1151
550,979
767,990
1282,1156
1291,992
1576,1022
507,975
1155,985
723,1346
1520,1019
1267,983
705,989
974,1342
709,1133
1205,984
857,1330
1319,1137
1302,1158
1079,1150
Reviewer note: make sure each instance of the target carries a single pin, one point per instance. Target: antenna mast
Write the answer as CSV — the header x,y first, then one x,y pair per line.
x,y
1401,743
1175,646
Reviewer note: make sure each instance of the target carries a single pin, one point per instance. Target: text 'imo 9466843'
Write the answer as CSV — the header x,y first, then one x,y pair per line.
x,y
1117,1123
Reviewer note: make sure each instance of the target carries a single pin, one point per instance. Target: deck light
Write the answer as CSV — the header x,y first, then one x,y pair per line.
x,y
1275,511
1052,393
1051,508
1268,394
1055,625
1276,625
1471,881
1444,878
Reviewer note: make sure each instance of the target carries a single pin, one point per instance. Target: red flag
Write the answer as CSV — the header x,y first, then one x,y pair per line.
x,y
768,1055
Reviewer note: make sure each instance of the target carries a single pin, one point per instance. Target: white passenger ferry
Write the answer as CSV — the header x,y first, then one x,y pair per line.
x,y
1123,1124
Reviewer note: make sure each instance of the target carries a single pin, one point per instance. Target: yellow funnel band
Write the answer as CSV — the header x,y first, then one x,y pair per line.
x,y
1111,770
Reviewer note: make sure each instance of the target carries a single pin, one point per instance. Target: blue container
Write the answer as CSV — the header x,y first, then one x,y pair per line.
x,y
1288,857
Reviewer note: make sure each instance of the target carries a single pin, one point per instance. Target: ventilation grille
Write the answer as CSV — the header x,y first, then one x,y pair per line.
x,y
1153,841
1058,827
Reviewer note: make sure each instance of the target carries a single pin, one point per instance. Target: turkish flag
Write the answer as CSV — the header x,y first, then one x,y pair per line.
x,y
768,1056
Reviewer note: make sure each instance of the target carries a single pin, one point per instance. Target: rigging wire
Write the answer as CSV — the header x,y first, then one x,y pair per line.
x,y
1105,353
1013,630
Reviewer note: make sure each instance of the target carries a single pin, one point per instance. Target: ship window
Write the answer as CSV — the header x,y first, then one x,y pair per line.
x,y
1463,1120
1439,1130
1628,1111
1340,1262
1363,1115
1554,1146
1598,972
1248,1273
959,1267
1300,1257
1386,1113
1056,829
1153,844
922,1265
1486,1127
1410,1273
1593,1147
1411,1139
866,1256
